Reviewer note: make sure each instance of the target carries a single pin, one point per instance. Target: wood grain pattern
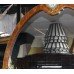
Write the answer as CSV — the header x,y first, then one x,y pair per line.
x,y
22,22
4,40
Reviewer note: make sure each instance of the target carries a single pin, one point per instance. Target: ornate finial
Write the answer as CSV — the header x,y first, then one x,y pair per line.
x,y
52,5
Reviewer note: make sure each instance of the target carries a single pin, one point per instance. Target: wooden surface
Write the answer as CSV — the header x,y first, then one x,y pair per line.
x,y
22,23
36,60
4,40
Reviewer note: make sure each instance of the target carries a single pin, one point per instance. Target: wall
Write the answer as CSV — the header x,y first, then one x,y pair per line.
x,y
8,23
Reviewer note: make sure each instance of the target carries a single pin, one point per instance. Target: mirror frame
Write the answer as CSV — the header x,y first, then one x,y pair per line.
x,y
24,20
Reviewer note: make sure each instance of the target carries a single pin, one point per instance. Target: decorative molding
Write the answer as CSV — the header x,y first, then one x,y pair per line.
x,y
22,22
52,6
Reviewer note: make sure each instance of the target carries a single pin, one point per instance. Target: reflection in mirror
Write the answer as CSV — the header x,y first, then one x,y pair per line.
x,y
31,39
